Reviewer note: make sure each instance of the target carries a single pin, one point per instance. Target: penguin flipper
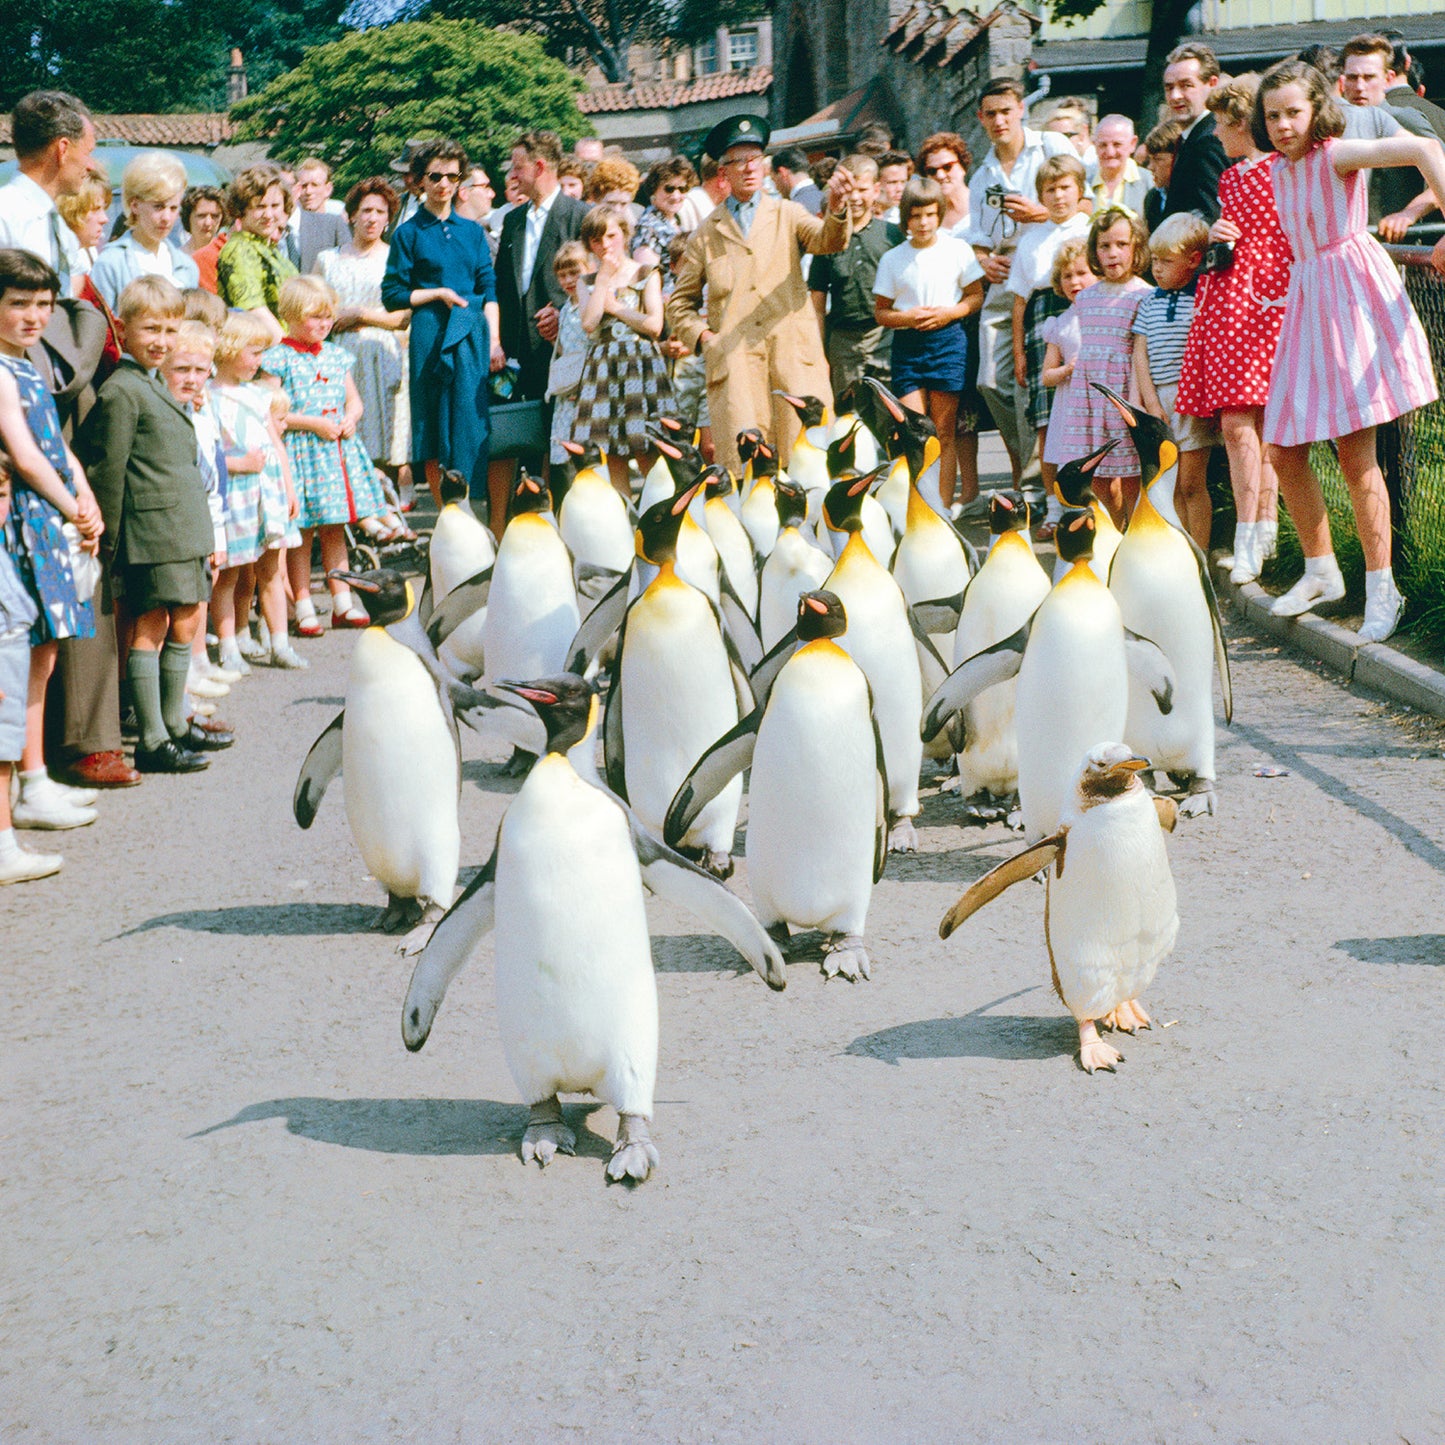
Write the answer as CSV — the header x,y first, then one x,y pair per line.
x,y
462,927
740,627
1012,870
459,604
930,663
614,752
882,803
1221,656
973,676
598,626
712,772
671,876
765,674
1148,665
322,764
939,614
593,581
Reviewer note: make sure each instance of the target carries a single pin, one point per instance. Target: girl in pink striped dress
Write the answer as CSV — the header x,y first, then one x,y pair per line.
x,y
1352,352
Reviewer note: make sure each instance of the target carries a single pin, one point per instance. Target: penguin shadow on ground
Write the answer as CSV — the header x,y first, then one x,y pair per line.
x,y
490,777
412,1126
975,1035
696,953
1416,948
269,920
973,856
317,702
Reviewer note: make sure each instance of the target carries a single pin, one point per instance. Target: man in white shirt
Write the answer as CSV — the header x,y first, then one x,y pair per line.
x,y
703,199
54,141
1002,199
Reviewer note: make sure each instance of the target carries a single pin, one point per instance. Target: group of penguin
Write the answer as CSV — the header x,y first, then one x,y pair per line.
x,y
792,625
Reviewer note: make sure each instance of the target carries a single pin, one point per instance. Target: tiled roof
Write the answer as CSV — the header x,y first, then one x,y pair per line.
x,y
667,94
202,128
936,32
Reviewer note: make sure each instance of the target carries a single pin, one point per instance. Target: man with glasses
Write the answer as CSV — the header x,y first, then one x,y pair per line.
x,y
1002,199
741,299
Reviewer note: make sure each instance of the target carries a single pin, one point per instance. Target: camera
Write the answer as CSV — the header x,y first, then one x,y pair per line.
x,y
1219,256
995,196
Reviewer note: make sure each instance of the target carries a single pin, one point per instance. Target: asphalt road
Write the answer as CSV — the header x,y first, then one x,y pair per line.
x,y
235,1209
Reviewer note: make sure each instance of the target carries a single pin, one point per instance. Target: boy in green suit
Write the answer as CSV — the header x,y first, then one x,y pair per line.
x,y
140,451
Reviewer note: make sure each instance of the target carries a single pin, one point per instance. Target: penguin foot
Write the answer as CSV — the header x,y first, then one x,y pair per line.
x,y
1094,1053
780,935
720,865
1015,820
547,1134
903,837
845,956
634,1156
519,764
399,913
418,937
1200,800
1127,1018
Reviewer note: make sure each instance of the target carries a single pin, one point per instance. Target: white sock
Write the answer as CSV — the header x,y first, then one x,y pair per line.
x,y
1383,579
1054,510
1325,566
305,608
8,845
37,780
341,602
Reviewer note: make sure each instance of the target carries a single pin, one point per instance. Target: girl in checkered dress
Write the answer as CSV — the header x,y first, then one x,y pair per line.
x,y
624,379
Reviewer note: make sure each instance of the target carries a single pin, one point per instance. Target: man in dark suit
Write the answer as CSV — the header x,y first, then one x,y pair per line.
x,y
314,226
1190,73
1406,83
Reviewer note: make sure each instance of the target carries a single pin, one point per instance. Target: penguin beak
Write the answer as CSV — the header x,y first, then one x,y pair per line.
x,y
353,579
574,448
667,448
1130,415
895,407
1094,458
1130,765
683,500
539,696
863,483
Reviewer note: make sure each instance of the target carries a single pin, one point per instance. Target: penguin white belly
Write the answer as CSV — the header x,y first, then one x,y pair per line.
x,y
892,495
808,467
877,530
759,516
880,641
399,771
656,486
794,566
1156,584
1004,595
460,548
576,996
735,552
1072,694
697,559
811,810
594,524
678,699
532,606
1112,915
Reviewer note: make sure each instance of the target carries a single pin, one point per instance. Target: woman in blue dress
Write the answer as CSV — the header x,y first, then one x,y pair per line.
x,y
440,268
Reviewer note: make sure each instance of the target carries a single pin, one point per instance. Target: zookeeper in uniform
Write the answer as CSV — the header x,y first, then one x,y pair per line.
x,y
741,298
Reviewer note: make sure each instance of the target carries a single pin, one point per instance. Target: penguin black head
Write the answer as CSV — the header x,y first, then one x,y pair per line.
x,y
565,703
1007,512
820,614
765,460
809,408
1110,770
843,453
748,441
717,482
529,494
843,501
584,454
453,487
1075,534
1151,435
1075,480
684,461
658,526
908,432
386,594
791,501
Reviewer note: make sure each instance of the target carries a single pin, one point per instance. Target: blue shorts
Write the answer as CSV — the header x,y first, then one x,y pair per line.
x,y
930,360
14,682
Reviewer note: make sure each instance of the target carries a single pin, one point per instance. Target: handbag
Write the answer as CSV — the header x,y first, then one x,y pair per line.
x,y
519,429
564,375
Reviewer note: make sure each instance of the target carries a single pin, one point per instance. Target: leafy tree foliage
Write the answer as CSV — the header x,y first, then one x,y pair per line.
x,y
358,100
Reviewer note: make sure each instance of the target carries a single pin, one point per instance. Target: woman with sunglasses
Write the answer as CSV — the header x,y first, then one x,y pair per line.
x,y
665,188
440,269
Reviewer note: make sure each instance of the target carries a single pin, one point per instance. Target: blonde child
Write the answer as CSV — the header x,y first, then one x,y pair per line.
x,y
569,351
1161,328
1061,186
334,478
206,307
50,490
1333,381
261,502
151,188
1082,419
1070,276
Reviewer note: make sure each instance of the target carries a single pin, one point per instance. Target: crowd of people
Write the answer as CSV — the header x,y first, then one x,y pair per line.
x,y
198,393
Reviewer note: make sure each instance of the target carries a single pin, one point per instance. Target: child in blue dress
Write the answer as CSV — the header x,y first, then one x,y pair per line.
x,y
334,478
50,491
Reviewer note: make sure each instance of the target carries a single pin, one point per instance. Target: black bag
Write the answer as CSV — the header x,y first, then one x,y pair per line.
x,y
520,429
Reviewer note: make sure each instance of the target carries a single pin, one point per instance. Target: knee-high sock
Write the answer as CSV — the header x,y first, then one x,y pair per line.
x,y
143,673
175,667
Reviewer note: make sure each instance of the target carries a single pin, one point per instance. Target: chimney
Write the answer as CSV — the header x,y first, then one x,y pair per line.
x,y
236,79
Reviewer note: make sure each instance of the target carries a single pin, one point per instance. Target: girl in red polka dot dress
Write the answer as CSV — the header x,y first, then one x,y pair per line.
x,y
1229,357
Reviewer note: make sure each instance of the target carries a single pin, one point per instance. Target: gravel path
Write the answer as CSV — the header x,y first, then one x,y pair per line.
x,y
237,1210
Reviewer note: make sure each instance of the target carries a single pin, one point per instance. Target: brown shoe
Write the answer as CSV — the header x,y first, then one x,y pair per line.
x,y
100,770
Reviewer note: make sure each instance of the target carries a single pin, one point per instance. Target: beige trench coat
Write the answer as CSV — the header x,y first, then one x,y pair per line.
x,y
757,302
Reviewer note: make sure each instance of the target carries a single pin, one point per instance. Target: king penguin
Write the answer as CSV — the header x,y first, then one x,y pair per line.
x,y
911,435
807,463
593,520
758,513
576,992
818,809
461,549
794,566
1075,487
1110,913
734,547
877,529
1072,661
1161,582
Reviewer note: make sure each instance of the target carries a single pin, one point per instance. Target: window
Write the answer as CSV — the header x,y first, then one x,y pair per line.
x,y
705,57
742,49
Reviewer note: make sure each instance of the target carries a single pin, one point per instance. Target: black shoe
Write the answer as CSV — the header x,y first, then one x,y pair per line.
x,y
169,758
197,739
129,723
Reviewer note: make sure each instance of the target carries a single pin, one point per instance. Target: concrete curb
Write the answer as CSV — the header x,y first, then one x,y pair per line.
x,y
1375,665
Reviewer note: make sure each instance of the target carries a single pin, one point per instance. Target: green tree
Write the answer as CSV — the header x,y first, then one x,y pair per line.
x,y
357,100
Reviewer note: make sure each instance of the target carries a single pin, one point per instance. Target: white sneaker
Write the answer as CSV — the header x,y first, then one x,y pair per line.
x,y
286,658
200,686
21,866
1383,610
54,788
77,797
1248,561
218,672
249,649
1309,592
233,666
50,811
198,708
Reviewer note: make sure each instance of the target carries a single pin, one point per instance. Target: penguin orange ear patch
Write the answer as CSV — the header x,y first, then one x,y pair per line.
x,y
1004,502
1080,522
574,447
